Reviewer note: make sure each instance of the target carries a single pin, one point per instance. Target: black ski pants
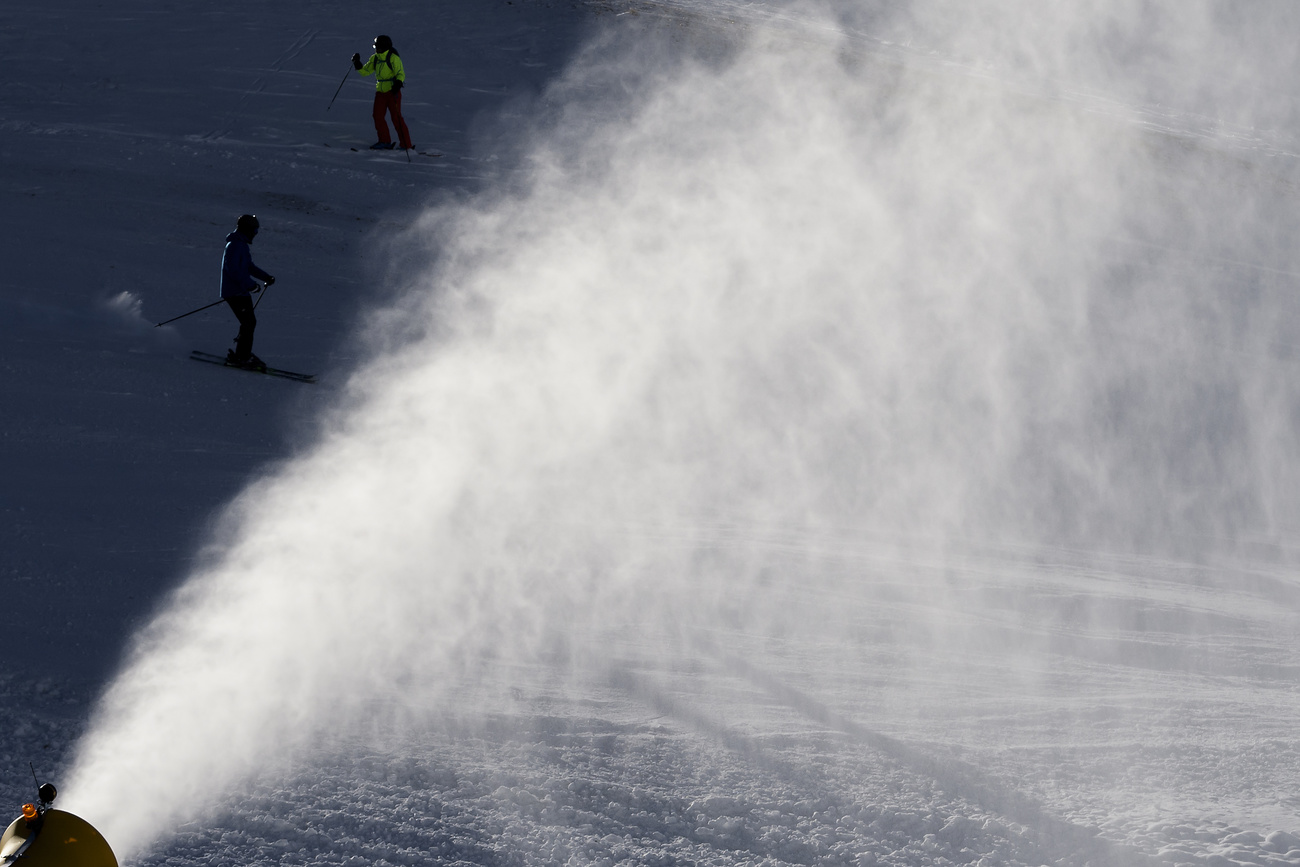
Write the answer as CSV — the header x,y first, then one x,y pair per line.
x,y
243,307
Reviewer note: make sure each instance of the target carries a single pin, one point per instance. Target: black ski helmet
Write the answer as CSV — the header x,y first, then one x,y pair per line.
x,y
383,43
247,225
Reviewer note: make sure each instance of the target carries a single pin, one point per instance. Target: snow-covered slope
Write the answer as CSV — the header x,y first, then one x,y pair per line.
x,y
746,433
125,164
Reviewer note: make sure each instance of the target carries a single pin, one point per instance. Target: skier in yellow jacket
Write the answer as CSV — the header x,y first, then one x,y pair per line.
x,y
390,75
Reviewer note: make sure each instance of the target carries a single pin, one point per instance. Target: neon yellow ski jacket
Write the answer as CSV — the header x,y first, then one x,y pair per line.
x,y
387,68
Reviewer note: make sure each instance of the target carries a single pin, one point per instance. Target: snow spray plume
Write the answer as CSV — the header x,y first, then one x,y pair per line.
x,y
773,312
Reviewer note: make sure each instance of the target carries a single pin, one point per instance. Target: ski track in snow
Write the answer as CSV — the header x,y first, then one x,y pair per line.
x,y
259,85
1058,706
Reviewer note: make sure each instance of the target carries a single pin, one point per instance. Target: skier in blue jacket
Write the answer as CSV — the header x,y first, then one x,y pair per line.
x,y
237,288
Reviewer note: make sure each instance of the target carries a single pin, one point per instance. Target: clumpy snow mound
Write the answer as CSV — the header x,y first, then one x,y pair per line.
x,y
551,785
746,433
593,792
888,738
547,779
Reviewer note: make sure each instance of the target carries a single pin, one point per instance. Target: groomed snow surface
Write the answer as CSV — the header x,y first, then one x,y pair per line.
x,y
812,642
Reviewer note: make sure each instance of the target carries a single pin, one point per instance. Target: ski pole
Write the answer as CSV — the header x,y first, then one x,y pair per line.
x,y
191,313
341,83
265,288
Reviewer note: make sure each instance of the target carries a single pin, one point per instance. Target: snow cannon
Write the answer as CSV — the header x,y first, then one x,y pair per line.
x,y
45,837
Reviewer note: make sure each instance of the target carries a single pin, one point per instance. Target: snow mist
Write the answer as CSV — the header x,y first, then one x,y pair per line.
x,y
773,294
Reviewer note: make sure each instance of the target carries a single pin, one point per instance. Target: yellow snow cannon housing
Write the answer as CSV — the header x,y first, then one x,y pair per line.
x,y
45,837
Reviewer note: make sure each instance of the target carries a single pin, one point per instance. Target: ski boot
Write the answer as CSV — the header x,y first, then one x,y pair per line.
x,y
252,362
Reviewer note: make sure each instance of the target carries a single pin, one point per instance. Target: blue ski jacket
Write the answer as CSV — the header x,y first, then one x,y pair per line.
x,y
237,268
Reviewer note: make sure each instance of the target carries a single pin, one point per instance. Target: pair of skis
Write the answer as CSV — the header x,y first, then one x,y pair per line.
x,y
198,355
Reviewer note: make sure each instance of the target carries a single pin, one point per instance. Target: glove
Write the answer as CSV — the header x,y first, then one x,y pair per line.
x,y
270,281
356,61
397,84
